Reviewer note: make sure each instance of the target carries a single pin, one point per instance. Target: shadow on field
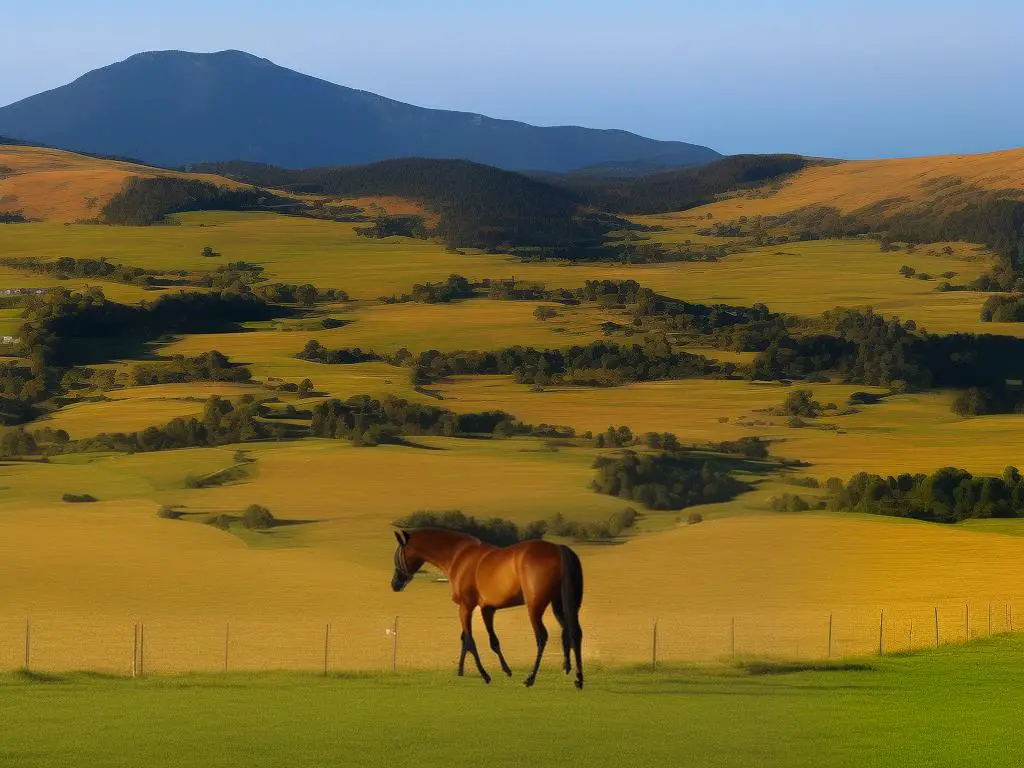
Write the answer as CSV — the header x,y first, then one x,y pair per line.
x,y
768,667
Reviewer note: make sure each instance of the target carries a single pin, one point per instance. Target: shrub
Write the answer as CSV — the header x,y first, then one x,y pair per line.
x,y
256,517
694,517
545,313
78,498
789,502
169,513
864,398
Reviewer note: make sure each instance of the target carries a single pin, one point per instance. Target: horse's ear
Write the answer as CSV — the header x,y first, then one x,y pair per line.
x,y
407,536
400,542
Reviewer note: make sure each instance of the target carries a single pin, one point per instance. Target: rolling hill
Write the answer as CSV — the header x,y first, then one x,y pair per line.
x,y
900,184
52,185
173,108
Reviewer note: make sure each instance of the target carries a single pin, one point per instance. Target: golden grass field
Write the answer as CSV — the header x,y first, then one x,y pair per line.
x,y
850,186
903,433
63,187
84,573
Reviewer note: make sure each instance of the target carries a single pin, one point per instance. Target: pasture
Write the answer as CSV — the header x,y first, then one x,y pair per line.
x,y
799,278
941,708
744,581
902,433
892,183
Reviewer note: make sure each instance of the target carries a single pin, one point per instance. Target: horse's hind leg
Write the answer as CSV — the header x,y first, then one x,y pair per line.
x,y
488,616
556,608
536,611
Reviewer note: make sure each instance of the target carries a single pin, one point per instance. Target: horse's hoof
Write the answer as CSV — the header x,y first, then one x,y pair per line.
x,y
567,669
461,673
507,671
528,682
487,679
579,684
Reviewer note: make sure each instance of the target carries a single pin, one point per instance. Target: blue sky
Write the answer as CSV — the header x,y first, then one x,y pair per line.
x,y
842,79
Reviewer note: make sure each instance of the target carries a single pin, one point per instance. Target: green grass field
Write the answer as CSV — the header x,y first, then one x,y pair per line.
x,y
948,707
802,278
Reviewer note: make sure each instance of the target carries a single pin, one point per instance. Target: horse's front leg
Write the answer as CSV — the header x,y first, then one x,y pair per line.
x,y
468,644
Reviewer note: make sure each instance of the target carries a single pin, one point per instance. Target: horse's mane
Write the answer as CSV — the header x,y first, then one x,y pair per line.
x,y
448,532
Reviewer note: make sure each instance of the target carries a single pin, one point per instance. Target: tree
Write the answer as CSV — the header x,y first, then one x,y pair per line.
x,y
256,517
209,252
305,387
801,403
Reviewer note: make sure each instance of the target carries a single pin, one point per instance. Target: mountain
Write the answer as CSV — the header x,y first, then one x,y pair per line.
x,y
174,108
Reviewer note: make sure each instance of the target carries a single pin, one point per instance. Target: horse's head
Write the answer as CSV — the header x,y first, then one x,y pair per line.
x,y
407,562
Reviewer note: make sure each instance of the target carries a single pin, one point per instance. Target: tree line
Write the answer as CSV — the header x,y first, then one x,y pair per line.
x,y
502,532
949,495
665,480
147,201
597,364
209,366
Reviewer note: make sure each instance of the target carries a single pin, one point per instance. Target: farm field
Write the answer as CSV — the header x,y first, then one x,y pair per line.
x,y
941,708
744,580
386,328
135,408
186,580
800,278
902,433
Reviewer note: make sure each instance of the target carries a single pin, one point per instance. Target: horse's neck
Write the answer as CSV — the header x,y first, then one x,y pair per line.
x,y
442,551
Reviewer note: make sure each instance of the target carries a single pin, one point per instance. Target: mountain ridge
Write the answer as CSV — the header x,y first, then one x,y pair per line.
x,y
174,108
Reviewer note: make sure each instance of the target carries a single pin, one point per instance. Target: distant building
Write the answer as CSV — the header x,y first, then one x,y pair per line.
x,y
22,291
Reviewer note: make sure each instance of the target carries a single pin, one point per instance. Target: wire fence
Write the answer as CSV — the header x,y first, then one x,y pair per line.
x,y
138,646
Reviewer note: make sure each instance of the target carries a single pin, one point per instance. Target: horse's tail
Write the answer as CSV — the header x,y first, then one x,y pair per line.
x,y
572,599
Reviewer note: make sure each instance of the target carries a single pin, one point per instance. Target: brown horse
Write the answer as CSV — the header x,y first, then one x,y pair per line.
x,y
535,573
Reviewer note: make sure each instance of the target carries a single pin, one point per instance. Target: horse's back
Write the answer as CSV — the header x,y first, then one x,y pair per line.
x,y
509,575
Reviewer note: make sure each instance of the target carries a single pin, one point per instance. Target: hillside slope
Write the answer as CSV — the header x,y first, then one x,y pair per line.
x,y
173,108
52,185
900,184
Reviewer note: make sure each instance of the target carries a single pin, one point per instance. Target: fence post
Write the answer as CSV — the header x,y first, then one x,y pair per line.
x,y
1010,606
227,640
732,636
654,644
881,633
910,645
967,622
28,644
327,646
394,645
142,649
936,626
135,652
990,619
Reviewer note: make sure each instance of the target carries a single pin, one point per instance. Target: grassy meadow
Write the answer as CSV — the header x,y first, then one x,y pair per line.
x,y
744,579
941,708
799,278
